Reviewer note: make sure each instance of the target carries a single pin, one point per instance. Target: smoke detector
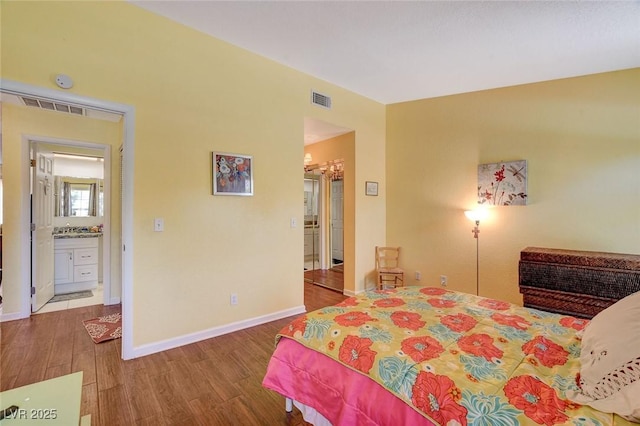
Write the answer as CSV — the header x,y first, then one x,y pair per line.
x,y
64,81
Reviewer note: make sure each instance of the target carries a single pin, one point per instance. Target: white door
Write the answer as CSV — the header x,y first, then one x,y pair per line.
x,y
42,286
337,221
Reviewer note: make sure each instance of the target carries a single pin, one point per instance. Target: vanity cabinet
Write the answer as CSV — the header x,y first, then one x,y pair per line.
x,y
75,264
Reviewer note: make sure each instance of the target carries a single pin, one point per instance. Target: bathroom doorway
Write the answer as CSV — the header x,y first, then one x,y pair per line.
x,y
118,236
80,206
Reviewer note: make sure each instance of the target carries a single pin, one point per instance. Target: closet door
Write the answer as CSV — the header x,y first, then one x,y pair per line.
x,y
337,221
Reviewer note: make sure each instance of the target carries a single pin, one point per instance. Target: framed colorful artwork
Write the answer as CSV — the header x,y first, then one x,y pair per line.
x,y
503,184
232,174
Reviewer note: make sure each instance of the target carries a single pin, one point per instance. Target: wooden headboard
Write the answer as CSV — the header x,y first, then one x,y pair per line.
x,y
578,283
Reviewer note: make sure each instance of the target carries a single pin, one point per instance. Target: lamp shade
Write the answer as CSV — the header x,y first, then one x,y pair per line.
x,y
476,215
307,158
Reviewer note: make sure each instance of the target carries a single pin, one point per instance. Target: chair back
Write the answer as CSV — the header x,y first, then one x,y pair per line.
x,y
387,257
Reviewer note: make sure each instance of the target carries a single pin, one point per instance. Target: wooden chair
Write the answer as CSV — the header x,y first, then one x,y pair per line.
x,y
387,267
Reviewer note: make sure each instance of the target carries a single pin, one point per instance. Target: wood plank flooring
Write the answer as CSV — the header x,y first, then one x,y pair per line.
x,y
213,382
328,278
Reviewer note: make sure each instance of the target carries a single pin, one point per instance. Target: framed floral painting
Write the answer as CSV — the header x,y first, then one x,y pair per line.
x,y
503,184
232,174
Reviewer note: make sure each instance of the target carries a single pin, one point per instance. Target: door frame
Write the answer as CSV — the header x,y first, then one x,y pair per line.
x,y
106,236
128,142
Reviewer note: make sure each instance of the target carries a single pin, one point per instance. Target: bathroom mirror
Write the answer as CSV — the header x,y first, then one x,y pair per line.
x,y
78,197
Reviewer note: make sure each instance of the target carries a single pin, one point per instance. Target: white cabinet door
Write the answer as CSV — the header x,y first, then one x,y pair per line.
x,y
63,266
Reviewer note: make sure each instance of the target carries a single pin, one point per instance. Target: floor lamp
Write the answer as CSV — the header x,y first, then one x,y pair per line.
x,y
476,216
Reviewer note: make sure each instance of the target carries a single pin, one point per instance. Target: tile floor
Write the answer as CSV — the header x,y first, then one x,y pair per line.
x,y
97,299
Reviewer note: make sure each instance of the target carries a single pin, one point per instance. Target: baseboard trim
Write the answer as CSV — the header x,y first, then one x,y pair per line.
x,y
12,316
350,293
187,339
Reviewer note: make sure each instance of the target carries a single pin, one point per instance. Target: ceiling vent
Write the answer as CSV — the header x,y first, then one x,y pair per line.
x,y
52,106
320,100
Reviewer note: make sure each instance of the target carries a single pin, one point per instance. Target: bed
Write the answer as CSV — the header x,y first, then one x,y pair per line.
x,y
431,356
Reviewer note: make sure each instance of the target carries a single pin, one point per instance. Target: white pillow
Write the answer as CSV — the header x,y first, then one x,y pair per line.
x,y
610,360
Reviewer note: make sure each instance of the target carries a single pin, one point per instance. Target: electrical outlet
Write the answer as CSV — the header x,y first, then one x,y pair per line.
x,y
234,299
443,280
418,276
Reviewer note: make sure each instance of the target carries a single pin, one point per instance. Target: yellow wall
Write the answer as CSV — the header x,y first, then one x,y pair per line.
x,y
18,121
193,95
581,138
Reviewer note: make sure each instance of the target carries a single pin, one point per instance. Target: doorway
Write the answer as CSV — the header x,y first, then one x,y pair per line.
x,y
123,247
70,272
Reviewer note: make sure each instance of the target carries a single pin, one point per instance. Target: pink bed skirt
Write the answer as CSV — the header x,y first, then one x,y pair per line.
x,y
340,394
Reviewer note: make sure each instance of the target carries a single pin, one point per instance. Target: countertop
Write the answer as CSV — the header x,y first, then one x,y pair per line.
x,y
78,235
77,232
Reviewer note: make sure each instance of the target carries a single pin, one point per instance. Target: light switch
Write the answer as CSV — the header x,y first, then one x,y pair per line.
x,y
294,222
158,224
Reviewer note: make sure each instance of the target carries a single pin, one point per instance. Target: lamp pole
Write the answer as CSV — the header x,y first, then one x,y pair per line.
x,y
476,231
476,216
477,258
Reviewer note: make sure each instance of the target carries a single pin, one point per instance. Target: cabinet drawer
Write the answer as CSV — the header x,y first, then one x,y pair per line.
x,y
85,256
85,273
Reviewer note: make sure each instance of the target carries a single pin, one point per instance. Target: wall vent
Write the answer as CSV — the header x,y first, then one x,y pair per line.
x,y
52,106
320,100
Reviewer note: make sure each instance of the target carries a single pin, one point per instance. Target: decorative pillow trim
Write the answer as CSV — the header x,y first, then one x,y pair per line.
x,y
614,381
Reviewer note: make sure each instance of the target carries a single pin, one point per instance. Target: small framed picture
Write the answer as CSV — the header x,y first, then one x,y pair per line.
x,y
232,174
371,188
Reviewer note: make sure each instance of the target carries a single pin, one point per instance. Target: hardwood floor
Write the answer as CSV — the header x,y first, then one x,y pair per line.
x,y
213,382
328,278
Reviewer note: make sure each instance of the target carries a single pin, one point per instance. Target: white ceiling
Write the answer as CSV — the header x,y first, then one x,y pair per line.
x,y
396,51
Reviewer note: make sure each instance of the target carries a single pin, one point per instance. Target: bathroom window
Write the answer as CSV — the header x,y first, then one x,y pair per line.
x,y
80,199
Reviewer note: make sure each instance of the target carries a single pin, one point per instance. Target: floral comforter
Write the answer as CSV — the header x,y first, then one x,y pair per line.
x,y
456,358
